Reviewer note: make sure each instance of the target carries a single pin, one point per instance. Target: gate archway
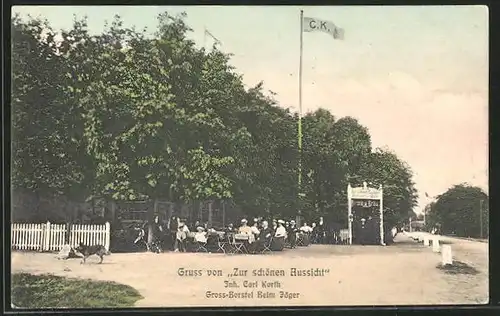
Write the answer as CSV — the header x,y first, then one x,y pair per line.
x,y
365,198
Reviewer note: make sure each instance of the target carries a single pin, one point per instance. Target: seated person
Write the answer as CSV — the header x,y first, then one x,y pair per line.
x,y
280,230
265,236
306,232
255,232
201,235
213,237
306,228
229,229
244,228
181,236
292,234
278,242
255,228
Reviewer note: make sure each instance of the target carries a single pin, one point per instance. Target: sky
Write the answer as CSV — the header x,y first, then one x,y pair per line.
x,y
415,76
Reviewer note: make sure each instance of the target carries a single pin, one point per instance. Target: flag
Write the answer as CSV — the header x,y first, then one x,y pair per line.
x,y
313,25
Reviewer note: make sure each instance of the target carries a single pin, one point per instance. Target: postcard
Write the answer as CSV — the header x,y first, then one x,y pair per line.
x,y
231,156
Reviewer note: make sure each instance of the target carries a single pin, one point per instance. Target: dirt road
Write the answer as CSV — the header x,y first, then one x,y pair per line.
x,y
401,274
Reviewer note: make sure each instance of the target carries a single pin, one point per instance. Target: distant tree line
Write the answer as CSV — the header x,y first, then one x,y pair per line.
x,y
462,210
130,116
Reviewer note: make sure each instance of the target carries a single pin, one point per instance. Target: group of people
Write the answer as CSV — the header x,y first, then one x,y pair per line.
x,y
260,230
175,233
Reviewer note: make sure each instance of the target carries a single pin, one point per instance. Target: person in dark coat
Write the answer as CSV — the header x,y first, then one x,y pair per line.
x,y
363,232
158,232
321,228
372,231
292,234
173,226
335,233
264,237
314,233
229,229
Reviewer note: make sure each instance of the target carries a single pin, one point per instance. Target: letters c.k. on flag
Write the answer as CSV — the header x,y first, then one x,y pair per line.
x,y
313,24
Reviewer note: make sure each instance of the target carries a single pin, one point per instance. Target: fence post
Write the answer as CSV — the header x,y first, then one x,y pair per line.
x,y
435,244
446,255
108,236
46,242
224,214
67,233
426,241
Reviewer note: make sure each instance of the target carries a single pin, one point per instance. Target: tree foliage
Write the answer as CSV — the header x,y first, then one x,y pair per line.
x,y
460,211
130,116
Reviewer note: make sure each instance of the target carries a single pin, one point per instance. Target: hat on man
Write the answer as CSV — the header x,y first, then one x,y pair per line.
x,y
292,222
255,220
281,221
244,220
200,229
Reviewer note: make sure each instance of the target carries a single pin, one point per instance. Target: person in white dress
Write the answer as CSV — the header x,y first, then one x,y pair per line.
x,y
280,230
200,235
182,233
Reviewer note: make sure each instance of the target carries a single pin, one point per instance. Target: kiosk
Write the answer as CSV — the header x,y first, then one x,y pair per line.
x,y
365,197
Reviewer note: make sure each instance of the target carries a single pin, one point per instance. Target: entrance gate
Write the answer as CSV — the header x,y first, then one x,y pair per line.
x,y
365,197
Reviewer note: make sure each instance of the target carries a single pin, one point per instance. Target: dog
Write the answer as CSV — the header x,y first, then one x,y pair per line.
x,y
88,251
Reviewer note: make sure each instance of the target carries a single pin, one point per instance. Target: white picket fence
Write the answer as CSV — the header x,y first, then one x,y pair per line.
x,y
51,237
344,235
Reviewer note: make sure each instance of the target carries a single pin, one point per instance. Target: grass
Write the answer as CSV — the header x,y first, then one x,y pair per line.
x,y
49,291
458,267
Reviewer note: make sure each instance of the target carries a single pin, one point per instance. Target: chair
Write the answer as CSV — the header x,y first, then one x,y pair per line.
x,y
300,240
307,239
238,243
287,243
229,247
221,243
201,246
267,244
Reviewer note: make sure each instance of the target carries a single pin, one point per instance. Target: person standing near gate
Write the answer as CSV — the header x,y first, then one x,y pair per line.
x,y
363,232
371,228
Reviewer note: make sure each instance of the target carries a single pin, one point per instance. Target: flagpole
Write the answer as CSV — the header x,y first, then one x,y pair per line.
x,y
299,131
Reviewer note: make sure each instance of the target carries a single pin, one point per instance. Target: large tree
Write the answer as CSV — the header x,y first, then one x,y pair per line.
x,y
132,116
460,211
383,167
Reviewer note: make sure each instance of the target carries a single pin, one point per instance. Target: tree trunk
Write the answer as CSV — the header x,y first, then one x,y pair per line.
x,y
223,214
210,210
151,216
